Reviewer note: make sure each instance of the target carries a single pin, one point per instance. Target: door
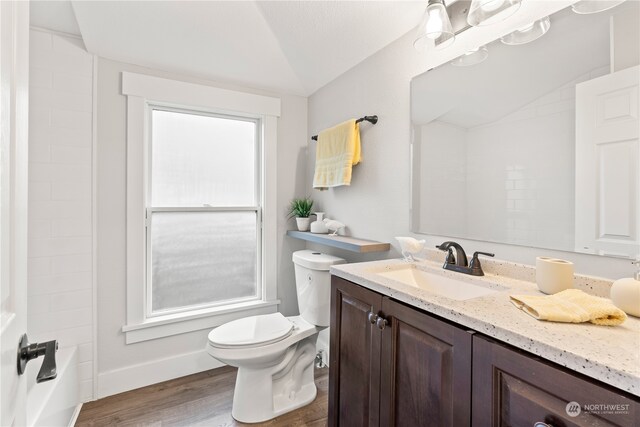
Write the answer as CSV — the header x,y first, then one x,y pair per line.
x,y
354,369
607,211
511,388
425,375
14,97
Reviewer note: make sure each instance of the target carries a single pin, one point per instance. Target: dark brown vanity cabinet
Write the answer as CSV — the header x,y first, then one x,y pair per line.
x,y
424,370
354,368
394,365
511,388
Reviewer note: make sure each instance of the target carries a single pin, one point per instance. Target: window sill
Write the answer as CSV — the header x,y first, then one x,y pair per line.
x,y
179,323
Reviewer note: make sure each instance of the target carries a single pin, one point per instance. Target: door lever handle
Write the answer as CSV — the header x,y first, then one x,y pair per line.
x,y
28,351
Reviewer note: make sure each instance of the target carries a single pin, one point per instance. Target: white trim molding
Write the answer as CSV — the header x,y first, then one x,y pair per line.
x,y
94,227
76,414
195,320
270,210
143,92
175,92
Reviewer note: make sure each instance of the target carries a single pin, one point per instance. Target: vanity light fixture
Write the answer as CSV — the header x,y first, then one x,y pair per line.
x,y
586,7
435,27
472,57
529,33
487,12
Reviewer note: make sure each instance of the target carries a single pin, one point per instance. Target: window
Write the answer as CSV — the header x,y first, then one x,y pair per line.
x,y
201,216
203,211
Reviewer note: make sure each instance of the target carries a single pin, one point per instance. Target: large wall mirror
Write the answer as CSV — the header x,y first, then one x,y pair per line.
x,y
538,144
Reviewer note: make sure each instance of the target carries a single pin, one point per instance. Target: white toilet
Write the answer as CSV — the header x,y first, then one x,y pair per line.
x,y
275,354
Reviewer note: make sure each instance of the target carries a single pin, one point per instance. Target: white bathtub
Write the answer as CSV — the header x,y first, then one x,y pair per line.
x,y
53,403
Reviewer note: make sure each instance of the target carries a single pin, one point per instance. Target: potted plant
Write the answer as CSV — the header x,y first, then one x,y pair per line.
x,y
301,209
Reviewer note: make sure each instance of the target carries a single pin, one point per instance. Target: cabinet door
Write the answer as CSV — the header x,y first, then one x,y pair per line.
x,y
511,388
425,370
354,368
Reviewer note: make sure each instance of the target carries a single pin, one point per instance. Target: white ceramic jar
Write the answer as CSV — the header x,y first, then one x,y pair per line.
x,y
553,275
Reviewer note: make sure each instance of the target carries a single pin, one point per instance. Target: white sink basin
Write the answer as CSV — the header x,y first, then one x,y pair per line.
x,y
459,290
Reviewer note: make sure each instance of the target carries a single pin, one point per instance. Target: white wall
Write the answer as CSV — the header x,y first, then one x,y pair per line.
x,y
60,301
122,366
377,204
625,43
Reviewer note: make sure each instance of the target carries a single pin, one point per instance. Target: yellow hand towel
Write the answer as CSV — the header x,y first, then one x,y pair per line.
x,y
572,306
338,149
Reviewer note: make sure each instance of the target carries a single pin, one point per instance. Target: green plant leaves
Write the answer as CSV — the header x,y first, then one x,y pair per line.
x,y
300,208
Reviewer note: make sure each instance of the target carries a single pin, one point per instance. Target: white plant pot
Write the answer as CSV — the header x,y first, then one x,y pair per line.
x,y
303,224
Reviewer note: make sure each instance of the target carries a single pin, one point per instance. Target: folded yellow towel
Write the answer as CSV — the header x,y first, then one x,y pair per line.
x,y
572,306
338,149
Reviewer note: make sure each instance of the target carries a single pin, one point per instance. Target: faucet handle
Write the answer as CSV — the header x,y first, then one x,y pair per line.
x,y
475,266
475,254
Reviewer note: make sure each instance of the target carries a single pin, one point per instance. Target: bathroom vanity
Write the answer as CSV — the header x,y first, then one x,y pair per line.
x,y
402,355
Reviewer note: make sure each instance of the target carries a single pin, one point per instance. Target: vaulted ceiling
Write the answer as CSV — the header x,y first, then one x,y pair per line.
x,y
290,46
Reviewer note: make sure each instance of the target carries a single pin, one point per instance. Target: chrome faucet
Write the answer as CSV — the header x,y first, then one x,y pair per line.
x,y
459,262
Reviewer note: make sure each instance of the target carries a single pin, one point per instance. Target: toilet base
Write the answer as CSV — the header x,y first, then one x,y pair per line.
x,y
265,393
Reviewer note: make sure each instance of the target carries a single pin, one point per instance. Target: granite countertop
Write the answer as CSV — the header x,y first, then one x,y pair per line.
x,y
606,353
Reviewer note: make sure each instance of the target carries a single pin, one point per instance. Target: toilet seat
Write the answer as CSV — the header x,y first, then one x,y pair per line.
x,y
251,331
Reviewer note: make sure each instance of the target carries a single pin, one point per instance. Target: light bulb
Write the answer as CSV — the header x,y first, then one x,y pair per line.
x,y
435,28
434,24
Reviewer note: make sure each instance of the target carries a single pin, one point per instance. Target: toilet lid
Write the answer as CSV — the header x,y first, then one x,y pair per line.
x,y
253,330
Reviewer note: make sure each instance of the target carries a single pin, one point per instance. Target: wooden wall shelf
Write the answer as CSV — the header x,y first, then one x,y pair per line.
x,y
343,242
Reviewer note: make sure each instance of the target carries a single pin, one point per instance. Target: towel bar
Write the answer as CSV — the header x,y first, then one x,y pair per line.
x,y
371,119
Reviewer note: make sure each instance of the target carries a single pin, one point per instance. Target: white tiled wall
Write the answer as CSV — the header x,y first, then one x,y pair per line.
x,y
530,155
60,213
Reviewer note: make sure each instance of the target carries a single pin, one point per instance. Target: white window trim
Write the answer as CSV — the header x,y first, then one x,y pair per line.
x,y
143,91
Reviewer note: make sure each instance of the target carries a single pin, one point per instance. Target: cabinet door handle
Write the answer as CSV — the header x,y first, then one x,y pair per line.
x,y
381,322
541,424
372,317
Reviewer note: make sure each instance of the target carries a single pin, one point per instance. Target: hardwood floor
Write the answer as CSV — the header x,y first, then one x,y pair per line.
x,y
202,399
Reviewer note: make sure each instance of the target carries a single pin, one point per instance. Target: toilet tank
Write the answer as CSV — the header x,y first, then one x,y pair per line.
x,y
313,285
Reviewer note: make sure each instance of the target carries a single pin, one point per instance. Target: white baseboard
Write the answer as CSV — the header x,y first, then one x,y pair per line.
x,y
74,417
153,372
